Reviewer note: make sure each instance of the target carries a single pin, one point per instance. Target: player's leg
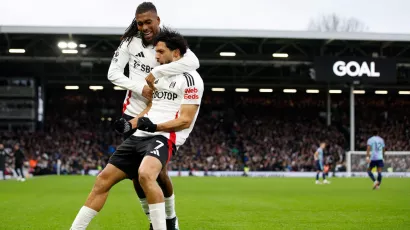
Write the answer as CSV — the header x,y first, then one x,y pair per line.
x,y
317,176
122,164
380,165
17,171
318,170
369,171
165,183
148,173
137,187
23,178
158,154
98,196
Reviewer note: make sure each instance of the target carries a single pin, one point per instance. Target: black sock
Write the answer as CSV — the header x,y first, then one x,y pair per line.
x,y
324,176
371,176
379,177
317,176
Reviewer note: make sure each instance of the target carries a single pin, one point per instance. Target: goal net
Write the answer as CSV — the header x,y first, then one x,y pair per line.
x,y
395,163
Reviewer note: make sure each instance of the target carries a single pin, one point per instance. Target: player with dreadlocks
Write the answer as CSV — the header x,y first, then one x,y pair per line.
x,y
137,50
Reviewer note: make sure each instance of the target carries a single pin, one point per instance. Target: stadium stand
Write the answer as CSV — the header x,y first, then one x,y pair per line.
x,y
266,132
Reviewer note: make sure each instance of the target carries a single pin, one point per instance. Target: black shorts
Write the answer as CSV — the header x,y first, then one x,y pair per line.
x,y
132,131
129,154
376,163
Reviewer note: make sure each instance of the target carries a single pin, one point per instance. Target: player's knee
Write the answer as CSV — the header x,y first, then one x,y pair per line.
x,y
102,184
145,177
138,189
163,176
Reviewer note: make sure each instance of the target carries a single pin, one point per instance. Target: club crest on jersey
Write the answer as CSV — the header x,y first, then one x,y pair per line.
x,y
172,85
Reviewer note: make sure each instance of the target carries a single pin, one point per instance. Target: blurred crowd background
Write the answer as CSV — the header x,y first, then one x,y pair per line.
x,y
264,132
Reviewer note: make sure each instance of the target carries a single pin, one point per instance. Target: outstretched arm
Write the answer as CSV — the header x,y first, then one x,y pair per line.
x,y
188,62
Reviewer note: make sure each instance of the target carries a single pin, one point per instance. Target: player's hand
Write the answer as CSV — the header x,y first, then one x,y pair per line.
x,y
368,159
150,79
147,92
122,126
145,124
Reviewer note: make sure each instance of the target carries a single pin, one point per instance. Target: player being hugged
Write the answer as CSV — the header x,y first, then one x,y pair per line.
x,y
374,157
142,156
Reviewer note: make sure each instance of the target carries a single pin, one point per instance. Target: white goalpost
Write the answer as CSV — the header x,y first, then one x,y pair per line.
x,y
395,163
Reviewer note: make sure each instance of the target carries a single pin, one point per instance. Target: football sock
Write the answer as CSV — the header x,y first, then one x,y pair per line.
x,y
157,214
83,218
170,207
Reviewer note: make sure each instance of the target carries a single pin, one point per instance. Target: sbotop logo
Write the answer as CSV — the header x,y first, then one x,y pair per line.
x,y
355,69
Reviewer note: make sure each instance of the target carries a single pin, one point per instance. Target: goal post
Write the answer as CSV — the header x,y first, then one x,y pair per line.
x,y
396,163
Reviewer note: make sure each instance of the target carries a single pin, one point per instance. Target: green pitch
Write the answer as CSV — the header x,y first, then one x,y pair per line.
x,y
215,203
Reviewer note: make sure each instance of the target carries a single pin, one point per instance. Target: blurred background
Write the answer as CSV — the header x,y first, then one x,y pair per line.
x,y
271,93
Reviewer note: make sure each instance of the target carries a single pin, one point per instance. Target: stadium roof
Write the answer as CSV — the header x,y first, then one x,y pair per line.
x,y
253,63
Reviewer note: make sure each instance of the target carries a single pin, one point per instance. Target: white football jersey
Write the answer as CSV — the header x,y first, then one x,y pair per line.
x,y
172,92
141,60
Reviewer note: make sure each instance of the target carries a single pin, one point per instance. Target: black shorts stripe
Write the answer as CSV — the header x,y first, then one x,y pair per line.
x,y
189,79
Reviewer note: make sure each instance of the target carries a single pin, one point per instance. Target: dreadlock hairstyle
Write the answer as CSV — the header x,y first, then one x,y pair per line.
x,y
132,30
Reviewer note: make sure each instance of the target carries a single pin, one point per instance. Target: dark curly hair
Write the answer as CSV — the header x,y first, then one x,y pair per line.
x,y
172,39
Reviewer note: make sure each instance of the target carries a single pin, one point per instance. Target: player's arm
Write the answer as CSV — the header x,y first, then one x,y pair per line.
x,y
116,70
192,90
369,148
186,116
316,155
184,121
134,121
189,62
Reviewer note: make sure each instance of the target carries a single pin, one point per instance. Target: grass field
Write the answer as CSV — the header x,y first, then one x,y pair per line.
x,y
215,203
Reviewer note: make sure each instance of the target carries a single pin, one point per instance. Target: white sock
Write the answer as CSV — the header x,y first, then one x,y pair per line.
x,y
157,214
145,208
83,218
170,207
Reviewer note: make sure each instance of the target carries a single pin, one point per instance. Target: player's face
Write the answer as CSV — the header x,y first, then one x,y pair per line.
x,y
163,54
323,145
1,146
148,25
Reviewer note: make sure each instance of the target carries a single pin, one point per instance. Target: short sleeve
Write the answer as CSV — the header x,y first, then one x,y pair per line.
x,y
192,89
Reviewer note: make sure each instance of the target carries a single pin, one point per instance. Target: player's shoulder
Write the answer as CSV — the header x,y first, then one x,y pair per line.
x,y
191,79
131,43
371,139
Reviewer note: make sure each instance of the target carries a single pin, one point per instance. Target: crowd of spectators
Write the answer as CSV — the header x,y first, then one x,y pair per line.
x,y
277,132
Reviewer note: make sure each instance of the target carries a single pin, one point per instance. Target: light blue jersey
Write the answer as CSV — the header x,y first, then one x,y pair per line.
x,y
376,144
320,157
